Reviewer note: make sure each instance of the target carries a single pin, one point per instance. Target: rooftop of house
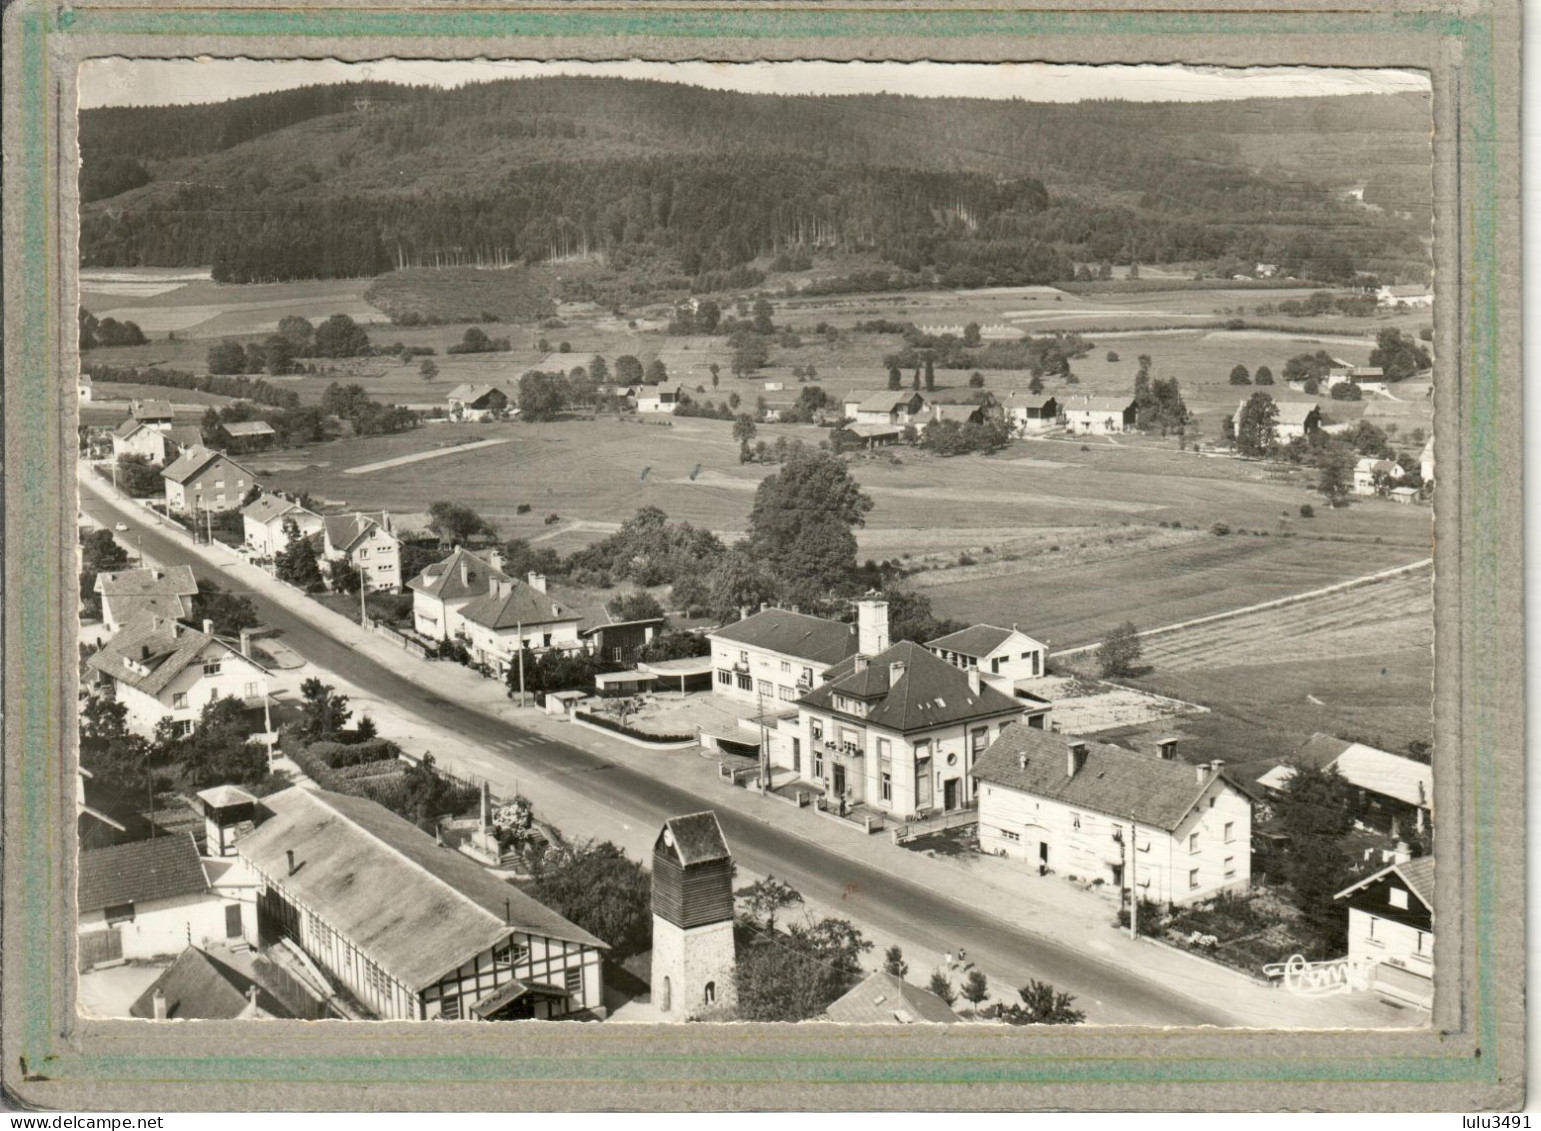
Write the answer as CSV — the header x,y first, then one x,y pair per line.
x,y
265,508
461,574
472,394
345,531
443,909
810,638
176,581
193,460
126,429
923,693
151,410
152,651
1022,399
882,401
224,796
883,999
142,871
1289,412
1369,463
695,839
248,428
1387,774
198,986
1097,404
1111,780
978,640
962,413
509,604
869,431
1417,874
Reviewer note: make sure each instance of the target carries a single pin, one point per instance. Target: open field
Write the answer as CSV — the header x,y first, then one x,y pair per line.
x,y
1356,663
198,307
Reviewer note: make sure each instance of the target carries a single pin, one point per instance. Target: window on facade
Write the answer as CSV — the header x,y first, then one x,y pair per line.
x,y
709,994
745,683
979,738
1193,879
725,678
815,729
449,1008
1007,834
808,675
211,667
363,552
1193,842
818,764
743,657
1398,898
888,787
182,728
1418,946
120,913
1230,867
572,979
786,665
885,749
1230,831
178,699
785,693
1075,820
250,690
218,483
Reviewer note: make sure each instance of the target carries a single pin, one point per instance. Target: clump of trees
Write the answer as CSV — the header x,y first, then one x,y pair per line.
x,y
475,340
1042,1004
950,438
1119,652
1158,403
602,890
457,524
1257,429
543,396
239,387
791,974
108,332
367,416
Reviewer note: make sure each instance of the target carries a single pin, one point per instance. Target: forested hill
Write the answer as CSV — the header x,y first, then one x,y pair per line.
x,y
358,179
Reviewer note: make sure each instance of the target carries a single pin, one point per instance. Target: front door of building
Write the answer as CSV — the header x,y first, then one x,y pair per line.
x,y
950,793
839,781
232,920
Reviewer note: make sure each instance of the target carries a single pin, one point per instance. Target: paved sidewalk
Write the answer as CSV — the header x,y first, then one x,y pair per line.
x,y
1047,906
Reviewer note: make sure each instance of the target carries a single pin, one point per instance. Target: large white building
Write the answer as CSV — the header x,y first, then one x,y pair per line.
x,y
1391,931
442,589
267,520
776,655
367,542
159,668
1172,831
1097,416
1006,654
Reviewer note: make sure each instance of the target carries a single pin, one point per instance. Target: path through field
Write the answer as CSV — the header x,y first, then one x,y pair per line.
x,y
457,449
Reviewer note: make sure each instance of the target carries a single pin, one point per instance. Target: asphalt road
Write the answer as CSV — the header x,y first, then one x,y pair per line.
x,y
868,895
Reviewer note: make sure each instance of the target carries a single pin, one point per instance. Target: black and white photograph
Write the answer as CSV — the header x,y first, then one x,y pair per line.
x,y
882,543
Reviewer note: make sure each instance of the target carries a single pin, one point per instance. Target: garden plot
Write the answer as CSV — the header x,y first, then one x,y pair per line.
x,y
1084,706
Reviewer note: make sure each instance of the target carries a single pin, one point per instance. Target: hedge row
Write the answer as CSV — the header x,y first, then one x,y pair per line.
x,y
621,728
340,754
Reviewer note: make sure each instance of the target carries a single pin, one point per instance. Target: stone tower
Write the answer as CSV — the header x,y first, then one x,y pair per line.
x,y
693,955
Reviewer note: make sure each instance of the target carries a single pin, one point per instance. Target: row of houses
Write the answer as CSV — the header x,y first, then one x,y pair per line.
x,y
479,403
1025,412
366,540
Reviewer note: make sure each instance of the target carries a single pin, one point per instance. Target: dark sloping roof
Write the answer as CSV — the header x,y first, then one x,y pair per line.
x,y
176,581
1097,404
979,640
810,638
151,409
883,999
416,908
184,435
1112,780
199,986
1417,874
884,401
462,574
265,508
128,428
509,604
929,692
172,647
194,459
697,838
143,871
1319,751
346,531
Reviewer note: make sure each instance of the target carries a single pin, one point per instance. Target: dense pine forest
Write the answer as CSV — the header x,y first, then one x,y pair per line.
x,y
356,180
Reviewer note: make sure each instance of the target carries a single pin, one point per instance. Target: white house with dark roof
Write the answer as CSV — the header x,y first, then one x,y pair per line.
x,y
477,403
777,655
890,406
1295,419
442,589
128,594
895,728
512,615
1176,832
1395,793
159,668
159,443
1006,653
201,479
146,899
413,929
1391,931
1030,413
152,411
248,435
268,519
367,542
659,399
1371,474
1097,416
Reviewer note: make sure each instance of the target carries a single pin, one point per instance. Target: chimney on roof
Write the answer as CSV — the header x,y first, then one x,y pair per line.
x,y
1201,771
1168,748
289,852
495,559
895,672
1021,761
1075,758
743,612
251,994
871,626
246,642
385,521
1217,765
208,627
973,680
144,651
858,663
156,575
159,1002
537,581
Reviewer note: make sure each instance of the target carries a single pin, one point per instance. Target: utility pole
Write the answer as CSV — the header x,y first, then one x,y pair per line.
x,y
363,608
208,522
1134,891
520,630
764,746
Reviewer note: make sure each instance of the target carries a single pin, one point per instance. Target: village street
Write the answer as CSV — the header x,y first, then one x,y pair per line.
x,y
1015,926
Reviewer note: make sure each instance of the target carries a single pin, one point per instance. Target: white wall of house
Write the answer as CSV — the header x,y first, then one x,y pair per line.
x,y
269,538
1374,939
1019,656
435,618
149,442
165,926
751,671
498,647
184,698
1169,866
1088,423
897,773
377,557
219,487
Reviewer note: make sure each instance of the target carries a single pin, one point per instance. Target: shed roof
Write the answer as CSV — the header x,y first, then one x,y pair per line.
x,y
443,908
885,401
265,508
142,871
811,638
175,581
1113,781
151,409
193,460
883,999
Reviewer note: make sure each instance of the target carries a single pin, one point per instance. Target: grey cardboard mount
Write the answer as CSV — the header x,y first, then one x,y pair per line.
x,y
1470,1058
